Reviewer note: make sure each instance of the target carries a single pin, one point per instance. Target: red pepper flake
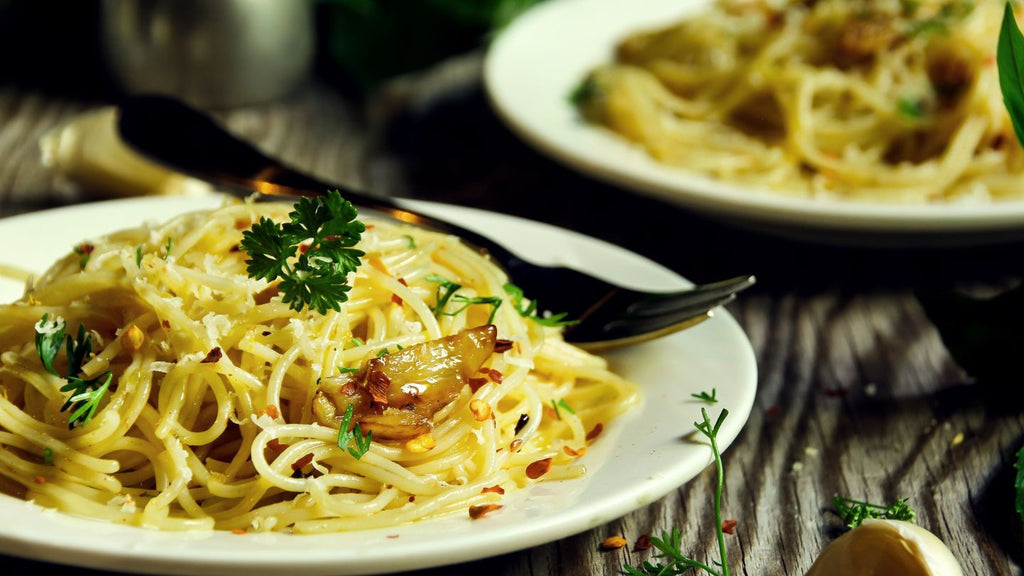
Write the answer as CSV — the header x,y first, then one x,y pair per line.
x,y
392,536
574,452
496,376
242,223
395,297
493,489
39,479
595,431
412,498
476,383
539,468
271,411
275,445
166,324
642,543
613,543
238,531
302,462
213,356
476,512
728,526
84,249
502,345
303,248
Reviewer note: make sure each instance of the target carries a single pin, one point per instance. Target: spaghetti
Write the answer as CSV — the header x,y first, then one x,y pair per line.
x,y
229,410
874,100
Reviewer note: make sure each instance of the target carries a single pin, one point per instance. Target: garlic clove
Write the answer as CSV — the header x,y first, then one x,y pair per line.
x,y
881,547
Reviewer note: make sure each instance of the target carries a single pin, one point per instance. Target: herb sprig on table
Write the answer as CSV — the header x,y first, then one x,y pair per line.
x,y
672,561
317,276
855,512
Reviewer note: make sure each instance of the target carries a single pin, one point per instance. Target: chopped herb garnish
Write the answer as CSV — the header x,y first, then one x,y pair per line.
x,y
668,547
85,393
138,256
410,240
84,250
705,397
559,405
356,342
583,92
447,292
530,310
48,456
346,436
169,246
317,276
347,370
910,107
854,512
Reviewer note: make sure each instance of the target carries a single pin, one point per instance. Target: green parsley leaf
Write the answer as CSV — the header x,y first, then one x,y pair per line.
x,y
530,310
446,292
138,256
318,276
85,393
49,339
705,397
347,437
1010,62
559,405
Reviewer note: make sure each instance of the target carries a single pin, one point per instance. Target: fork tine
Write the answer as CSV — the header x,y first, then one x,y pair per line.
x,y
683,302
624,337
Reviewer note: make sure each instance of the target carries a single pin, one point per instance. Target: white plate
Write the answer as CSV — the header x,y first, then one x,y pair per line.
x,y
643,457
532,67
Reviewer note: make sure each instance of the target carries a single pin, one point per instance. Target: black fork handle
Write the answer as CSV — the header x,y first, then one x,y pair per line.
x,y
172,133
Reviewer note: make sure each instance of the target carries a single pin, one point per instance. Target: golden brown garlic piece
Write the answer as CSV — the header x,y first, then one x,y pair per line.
x,y
396,395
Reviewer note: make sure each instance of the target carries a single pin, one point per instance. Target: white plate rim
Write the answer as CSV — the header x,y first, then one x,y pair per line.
x,y
718,347
530,94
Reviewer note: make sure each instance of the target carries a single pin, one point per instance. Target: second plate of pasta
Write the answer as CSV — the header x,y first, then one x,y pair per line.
x,y
827,119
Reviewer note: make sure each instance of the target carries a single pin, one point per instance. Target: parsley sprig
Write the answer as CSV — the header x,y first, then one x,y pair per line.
x,y
85,393
855,512
668,547
317,276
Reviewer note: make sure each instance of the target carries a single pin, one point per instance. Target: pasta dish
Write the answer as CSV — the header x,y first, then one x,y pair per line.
x,y
150,378
873,100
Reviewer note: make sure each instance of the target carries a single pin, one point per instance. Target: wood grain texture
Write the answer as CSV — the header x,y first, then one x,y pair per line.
x,y
857,394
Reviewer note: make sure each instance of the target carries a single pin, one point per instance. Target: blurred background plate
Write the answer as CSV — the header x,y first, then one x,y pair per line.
x,y
533,66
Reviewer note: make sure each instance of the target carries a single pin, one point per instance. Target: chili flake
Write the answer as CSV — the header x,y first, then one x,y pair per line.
x,y
539,468
595,431
476,512
613,543
728,526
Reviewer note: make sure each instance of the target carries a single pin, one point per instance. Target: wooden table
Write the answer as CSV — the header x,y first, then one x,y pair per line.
x,y
857,393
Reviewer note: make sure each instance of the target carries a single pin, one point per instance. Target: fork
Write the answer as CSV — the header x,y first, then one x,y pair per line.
x,y
605,315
